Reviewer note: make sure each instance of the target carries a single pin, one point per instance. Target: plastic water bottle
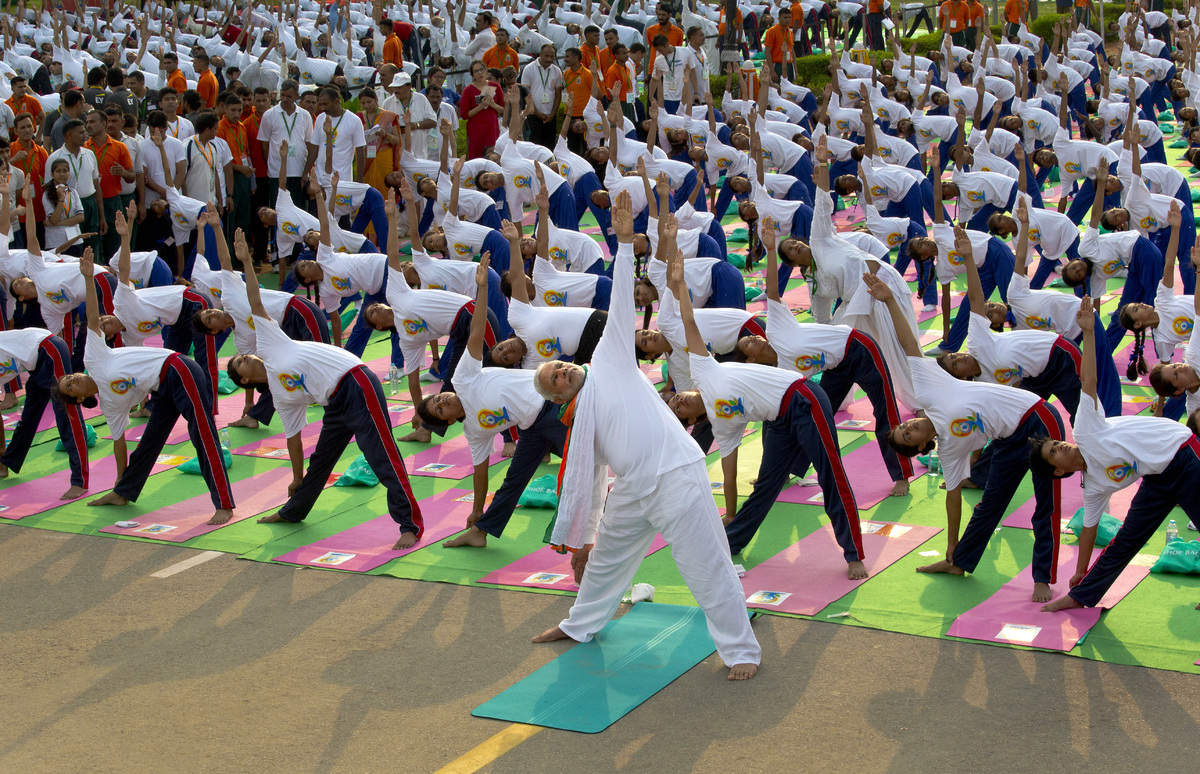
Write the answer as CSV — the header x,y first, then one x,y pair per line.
x,y
393,377
1172,532
935,464
225,440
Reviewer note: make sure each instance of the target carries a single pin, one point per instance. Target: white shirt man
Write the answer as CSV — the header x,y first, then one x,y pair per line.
x,y
348,137
295,128
544,84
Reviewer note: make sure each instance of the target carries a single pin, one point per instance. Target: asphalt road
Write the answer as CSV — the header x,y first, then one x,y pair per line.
x,y
235,666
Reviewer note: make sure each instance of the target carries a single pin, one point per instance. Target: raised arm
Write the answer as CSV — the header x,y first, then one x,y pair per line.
x,y
87,269
122,222
252,291
1022,251
975,294
1173,217
475,341
767,235
542,200
322,213
881,292
520,290
211,218
1086,318
389,208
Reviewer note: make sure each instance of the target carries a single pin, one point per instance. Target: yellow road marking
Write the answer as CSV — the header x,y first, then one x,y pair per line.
x,y
490,750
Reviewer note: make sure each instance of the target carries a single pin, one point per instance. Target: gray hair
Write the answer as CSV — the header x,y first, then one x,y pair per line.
x,y
537,379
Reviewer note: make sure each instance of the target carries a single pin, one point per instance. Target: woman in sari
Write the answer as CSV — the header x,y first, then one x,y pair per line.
x,y
383,140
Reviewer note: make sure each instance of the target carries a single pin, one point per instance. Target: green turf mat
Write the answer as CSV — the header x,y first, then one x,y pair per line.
x,y
595,684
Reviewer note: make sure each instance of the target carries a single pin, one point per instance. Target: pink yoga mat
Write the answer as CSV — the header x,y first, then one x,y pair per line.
x,y
275,446
369,545
188,518
449,459
26,498
868,476
1009,617
1072,500
47,420
545,568
811,574
229,408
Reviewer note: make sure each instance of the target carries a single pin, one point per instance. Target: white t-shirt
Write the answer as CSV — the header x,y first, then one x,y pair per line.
x,y
276,127
975,189
548,333
950,263
966,415
1120,450
464,240
493,400
1043,310
439,274
83,170
1175,315
291,223
718,327
421,316
299,373
736,394
806,348
237,304
124,377
1053,231
1007,358
19,350
347,274
145,313
562,288
573,251
69,207
150,159
348,137
697,274
60,286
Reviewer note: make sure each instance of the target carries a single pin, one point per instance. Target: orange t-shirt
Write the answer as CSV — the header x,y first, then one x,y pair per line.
x,y
392,51
777,40
737,20
674,37
605,58
27,105
177,82
977,11
618,73
34,167
591,54
110,153
208,87
237,140
579,85
251,123
494,58
954,16
1014,10
875,6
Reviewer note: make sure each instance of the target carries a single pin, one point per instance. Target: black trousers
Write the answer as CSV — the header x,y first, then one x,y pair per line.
x,y
592,331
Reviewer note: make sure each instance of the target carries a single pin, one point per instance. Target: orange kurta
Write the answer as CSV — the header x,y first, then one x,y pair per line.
x,y
109,153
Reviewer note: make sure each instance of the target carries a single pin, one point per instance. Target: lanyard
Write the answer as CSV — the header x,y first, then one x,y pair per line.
x,y
237,138
543,74
338,124
101,150
75,167
175,131
295,118
209,156
67,204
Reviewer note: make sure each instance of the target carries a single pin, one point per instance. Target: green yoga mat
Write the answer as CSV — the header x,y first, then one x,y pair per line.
x,y
595,684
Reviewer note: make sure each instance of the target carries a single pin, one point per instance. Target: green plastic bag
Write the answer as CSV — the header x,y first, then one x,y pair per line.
x,y
1180,143
541,493
1054,175
1179,556
1196,194
665,374
1167,128
88,432
1106,530
752,293
1166,115
225,385
738,261
358,474
192,466
739,235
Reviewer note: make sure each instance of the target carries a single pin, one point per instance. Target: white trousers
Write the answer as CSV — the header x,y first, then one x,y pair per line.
x,y
682,510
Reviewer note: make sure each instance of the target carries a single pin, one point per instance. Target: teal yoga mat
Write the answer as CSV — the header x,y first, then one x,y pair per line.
x,y
595,684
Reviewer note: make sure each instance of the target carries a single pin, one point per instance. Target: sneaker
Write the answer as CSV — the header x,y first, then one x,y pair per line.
x,y
431,376
935,352
929,308
1192,526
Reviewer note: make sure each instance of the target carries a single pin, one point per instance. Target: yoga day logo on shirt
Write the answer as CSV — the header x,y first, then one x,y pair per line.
x,y
137,284
293,382
181,220
843,125
894,239
555,297
564,168
727,409
975,197
216,293
1072,167
960,105
963,427
1008,375
463,251
413,327
57,297
291,228
559,254
1182,326
250,322
1118,473
724,162
1035,235
8,367
955,258
342,200
879,190
925,134
122,386
149,326
810,362
1113,266
1038,323
340,283
1149,222
549,347
522,181
490,418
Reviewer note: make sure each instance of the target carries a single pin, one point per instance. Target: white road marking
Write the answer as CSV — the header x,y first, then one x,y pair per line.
x,y
187,564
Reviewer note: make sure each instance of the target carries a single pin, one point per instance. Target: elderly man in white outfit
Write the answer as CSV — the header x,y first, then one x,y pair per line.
x,y
619,421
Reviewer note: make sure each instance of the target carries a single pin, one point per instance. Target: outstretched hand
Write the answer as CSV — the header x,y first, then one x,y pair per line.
x,y
481,271
767,233
962,242
86,265
1086,316
508,230
877,288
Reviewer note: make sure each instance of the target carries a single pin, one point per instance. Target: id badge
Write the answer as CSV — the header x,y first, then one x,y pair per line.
x,y
291,151
672,85
545,99
432,141
372,151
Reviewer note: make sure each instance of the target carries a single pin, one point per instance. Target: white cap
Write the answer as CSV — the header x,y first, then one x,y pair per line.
x,y
402,79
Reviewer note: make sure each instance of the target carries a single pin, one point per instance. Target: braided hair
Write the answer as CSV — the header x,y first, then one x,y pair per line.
x,y
1137,360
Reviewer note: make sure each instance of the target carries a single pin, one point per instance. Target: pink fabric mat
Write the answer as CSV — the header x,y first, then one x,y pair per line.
x,y
275,446
26,498
860,411
450,459
868,476
810,575
1009,617
545,568
188,518
47,420
1072,500
369,545
229,408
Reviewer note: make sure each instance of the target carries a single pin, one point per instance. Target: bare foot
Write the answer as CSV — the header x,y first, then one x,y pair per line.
x,y
73,493
112,498
742,671
420,435
856,571
221,516
407,540
474,517
248,422
942,566
899,488
472,537
1041,592
509,450
1067,603
968,484
141,413
8,401
550,635
274,518
727,519
3,471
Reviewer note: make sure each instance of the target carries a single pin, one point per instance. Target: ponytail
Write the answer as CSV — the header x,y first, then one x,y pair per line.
x,y
1137,360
